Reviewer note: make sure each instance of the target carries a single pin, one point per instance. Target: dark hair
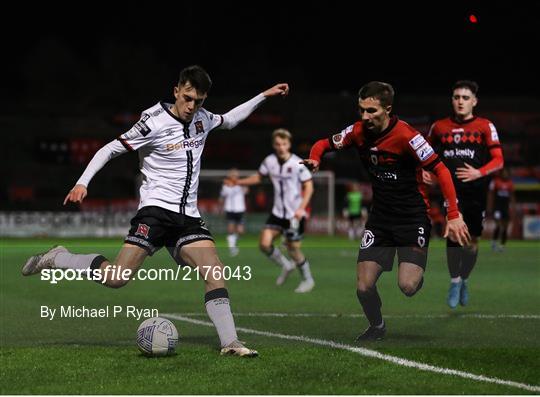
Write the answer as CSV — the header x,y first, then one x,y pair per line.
x,y
471,85
379,90
197,77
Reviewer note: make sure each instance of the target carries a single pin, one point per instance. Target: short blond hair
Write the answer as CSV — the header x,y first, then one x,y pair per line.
x,y
281,133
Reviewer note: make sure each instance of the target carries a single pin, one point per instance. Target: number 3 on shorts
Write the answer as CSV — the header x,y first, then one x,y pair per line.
x,y
421,239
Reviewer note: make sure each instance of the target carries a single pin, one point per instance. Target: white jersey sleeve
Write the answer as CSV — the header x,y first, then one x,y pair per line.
x,y
139,135
235,116
102,157
213,120
263,168
133,139
304,174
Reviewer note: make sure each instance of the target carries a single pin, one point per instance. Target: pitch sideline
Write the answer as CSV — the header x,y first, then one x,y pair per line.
x,y
369,353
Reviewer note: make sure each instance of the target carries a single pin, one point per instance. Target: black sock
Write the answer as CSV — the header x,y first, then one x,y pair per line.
x,y
503,236
371,304
468,261
496,233
453,257
95,267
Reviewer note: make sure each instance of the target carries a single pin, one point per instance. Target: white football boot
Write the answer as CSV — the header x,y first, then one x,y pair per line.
x,y
44,260
305,286
236,348
285,272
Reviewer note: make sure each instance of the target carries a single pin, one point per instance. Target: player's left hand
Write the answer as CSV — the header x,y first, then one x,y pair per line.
x,y
229,182
300,213
456,230
428,178
468,173
312,165
279,89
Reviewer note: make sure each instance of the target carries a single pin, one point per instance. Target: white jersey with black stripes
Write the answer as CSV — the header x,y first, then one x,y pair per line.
x,y
170,153
287,178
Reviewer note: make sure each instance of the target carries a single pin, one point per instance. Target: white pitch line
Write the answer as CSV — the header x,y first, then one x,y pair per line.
x,y
371,353
335,315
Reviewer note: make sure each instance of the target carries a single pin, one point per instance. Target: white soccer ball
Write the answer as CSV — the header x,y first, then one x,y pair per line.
x,y
157,336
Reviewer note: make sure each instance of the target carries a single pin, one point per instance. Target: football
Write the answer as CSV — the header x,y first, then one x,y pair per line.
x,y
157,336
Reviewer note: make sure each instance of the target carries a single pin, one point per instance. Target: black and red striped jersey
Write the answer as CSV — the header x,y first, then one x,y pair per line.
x,y
459,142
503,190
394,159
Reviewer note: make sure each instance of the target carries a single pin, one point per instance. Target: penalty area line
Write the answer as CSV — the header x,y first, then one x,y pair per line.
x,y
369,353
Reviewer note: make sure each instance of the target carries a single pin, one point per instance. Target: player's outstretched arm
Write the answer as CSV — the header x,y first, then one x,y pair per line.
x,y
317,151
312,165
281,89
76,195
102,156
455,228
251,180
235,116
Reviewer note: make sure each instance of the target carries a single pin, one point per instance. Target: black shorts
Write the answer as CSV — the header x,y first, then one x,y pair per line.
x,y
235,217
284,226
473,209
501,213
381,240
155,227
353,217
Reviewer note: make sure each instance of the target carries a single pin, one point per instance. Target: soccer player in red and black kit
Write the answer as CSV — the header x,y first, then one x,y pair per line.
x,y
501,197
394,154
470,148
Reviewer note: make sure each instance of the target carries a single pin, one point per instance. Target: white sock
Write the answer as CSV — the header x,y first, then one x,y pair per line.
x,y
280,259
231,240
304,270
219,310
351,233
456,279
67,260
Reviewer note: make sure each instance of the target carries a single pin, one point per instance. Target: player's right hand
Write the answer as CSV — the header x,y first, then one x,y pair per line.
x,y
312,165
456,230
229,182
76,195
427,178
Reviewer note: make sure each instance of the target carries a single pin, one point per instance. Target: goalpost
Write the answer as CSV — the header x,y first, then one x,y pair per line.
x,y
259,201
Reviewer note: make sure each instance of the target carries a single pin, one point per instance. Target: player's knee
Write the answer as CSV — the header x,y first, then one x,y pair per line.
x,y
116,282
471,248
364,289
265,248
408,287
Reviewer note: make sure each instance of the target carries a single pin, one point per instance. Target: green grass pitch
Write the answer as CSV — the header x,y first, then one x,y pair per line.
x,y
496,336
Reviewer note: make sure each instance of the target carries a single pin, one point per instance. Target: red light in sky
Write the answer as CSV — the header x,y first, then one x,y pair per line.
x,y
473,19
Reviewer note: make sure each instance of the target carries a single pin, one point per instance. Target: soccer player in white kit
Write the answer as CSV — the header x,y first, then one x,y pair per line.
x,y
233,199
293,188
169,138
